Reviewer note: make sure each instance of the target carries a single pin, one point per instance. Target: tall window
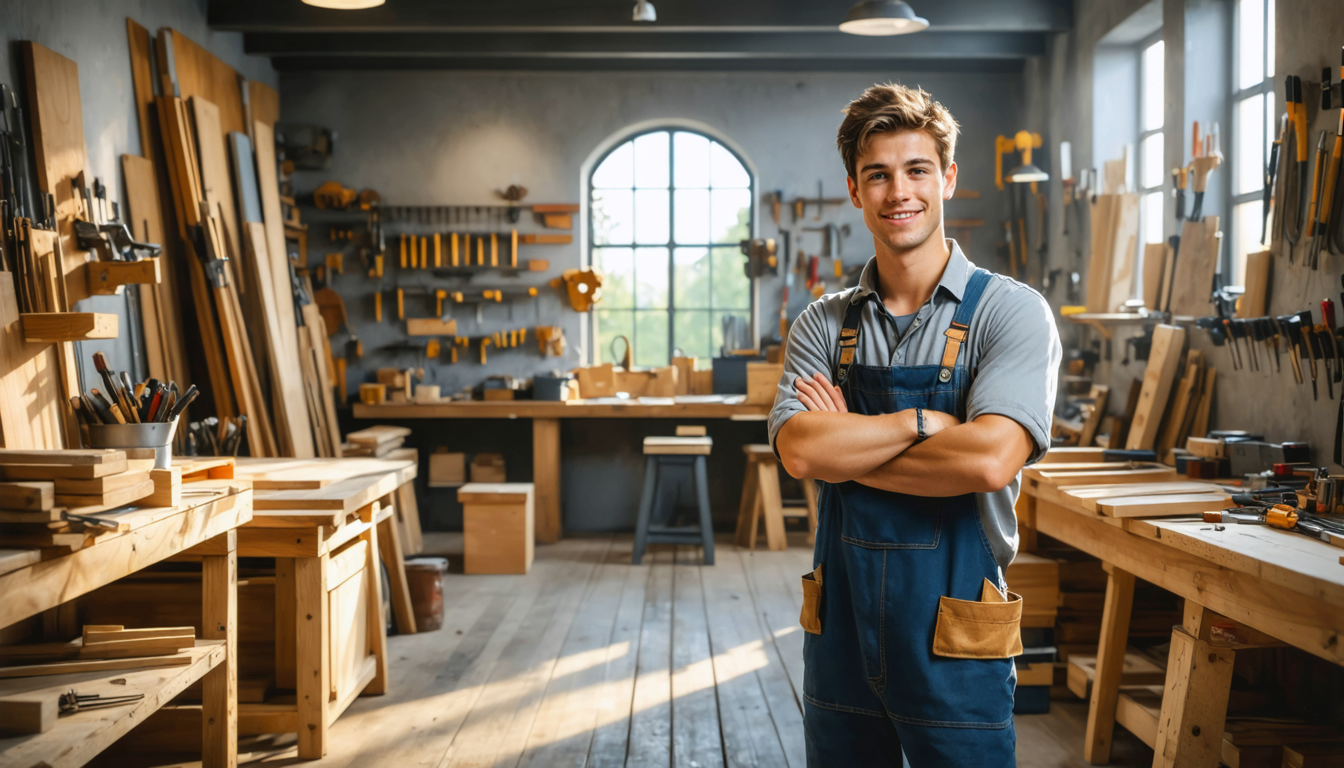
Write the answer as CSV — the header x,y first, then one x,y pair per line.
x,y
1253,127
669,208
1152,162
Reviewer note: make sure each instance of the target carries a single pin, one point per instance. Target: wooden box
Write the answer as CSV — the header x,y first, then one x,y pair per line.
x,y
763,382
597,381
488,468
498,527
447,469
1036,579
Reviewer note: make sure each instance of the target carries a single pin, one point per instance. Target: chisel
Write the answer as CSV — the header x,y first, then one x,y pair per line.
x,y
1306,327
1317,166
1288,328
1329,188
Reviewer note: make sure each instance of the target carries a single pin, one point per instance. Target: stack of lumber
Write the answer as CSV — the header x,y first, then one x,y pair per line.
x,y
1082,592
376,441
1036,579
1114,248
209,185
102,647
56,499
1165,499
1175,398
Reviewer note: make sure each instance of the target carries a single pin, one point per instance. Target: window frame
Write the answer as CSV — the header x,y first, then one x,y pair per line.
x,y
671,245
1238,95
1143,134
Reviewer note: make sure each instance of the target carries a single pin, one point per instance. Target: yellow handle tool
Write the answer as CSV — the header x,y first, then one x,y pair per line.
x,y
401,304
494,249
438,251
402,241
378,306
452,249
513,248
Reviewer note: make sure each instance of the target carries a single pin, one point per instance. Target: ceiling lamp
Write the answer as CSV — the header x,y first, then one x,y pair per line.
x,y
644,11
345,5
882,17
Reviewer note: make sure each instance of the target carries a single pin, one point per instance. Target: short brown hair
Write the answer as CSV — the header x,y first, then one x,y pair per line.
x,y
890,108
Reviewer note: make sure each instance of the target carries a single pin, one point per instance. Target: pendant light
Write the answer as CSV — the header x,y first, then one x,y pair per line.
x,y
344,5
882,17
644,11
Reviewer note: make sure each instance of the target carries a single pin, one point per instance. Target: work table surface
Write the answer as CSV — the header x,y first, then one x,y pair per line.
x,y
551,409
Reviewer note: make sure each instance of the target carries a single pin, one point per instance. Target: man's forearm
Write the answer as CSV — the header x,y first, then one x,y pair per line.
x,y
836,447
977,457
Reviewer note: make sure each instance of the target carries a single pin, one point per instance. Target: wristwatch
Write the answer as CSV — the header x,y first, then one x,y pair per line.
x,y
919,424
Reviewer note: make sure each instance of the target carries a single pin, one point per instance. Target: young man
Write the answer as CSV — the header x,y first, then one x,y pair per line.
x,y
916,398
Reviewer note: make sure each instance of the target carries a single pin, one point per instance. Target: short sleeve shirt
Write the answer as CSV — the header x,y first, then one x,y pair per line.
x,y
1014,357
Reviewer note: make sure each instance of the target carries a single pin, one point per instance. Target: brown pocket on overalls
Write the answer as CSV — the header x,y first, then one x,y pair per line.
x,y
810,617
988,629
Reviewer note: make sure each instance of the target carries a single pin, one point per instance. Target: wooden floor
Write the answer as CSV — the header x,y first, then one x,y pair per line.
x,y
589,661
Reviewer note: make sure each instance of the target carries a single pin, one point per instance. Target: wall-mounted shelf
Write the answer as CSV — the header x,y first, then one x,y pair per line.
x,y
529,265
50,327
106,277
1106,322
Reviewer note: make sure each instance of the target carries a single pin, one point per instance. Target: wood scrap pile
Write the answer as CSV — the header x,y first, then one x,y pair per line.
x,y
211,171
376,441
58,500
101,647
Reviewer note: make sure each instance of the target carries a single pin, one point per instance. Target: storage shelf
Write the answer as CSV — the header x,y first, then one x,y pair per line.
x,y
106,277
1106,322
49,327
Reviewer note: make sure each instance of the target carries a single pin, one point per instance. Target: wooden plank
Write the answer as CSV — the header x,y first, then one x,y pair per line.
x,y
430,326
81,504
408,513
695,712
1089,495
1187,390
1155,257
32,496
50,327
320,351
101,485
348,495
1194,703
219,622
95,665
1123,242
1255,301
165,353
313,651
651,719
58,147
216,184
1110,663
71,457
1163,360
14,559
1103,477
390,551
1168,505
1196,263
29,389
377,435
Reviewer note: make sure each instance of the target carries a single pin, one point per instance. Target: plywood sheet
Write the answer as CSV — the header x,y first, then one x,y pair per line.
x,y
1163,360
58,145
1196,263
30,387
1124,245
1168,505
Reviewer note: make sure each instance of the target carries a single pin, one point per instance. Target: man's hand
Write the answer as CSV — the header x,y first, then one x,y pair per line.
x,y
818,394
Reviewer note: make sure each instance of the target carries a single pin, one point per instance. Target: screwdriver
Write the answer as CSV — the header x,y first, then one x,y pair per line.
x,y
1278,516
1305,326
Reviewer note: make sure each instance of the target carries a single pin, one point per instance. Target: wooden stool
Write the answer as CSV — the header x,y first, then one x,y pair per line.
x,y
662,453
760,495
498,527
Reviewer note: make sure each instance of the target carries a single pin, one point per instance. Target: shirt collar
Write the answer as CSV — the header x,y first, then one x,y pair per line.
x,y
953,280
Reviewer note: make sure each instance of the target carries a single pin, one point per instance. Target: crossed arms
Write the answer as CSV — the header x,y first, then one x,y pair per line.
x,y
829,443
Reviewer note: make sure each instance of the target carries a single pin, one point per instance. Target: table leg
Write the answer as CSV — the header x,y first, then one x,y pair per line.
x,y
745,533
1194,701
312,654
285,625
1115,614
377,627
546,478
1026,522
772,505
219,621
389,549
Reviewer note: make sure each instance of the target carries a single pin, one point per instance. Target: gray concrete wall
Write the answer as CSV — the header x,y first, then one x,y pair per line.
x,y
454,138
1060,88
93,35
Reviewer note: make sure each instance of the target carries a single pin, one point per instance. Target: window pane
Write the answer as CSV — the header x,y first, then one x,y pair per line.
x,y
1269,40
617,169
1250,42
730,215
1250,144
691,333
1153,86
651,278
618,269
1247,225
610,324
651,339
651,160
613,217
724,168
1150,218
691,154
691,209
651,216
1150,152
691,282
732,289
716,328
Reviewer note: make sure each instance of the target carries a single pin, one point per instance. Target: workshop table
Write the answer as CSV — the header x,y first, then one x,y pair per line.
x,y
546,416
1279,588
200,527
328,523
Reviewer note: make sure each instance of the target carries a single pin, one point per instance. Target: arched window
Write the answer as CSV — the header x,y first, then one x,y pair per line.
x,y
668,209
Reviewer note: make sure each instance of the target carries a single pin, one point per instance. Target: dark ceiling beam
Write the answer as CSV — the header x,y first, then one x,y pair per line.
x,y
892,67
834,45
614,15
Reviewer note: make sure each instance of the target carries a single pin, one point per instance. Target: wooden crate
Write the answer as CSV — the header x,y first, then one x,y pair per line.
x,y
447,470
498,527
1036,579
763,382
488,468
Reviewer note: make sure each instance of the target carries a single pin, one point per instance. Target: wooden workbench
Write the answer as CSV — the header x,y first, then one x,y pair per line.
x,y
1285,588
205,528
328,523
546,416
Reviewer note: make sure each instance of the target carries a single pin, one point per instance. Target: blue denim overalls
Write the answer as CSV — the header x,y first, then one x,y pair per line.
x,y
872,683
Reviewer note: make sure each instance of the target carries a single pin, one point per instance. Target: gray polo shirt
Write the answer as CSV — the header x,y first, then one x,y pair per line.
x,y
1014,361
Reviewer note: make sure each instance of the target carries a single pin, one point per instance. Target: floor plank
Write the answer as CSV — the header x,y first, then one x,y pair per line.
x,y
651,716
696,738
616,699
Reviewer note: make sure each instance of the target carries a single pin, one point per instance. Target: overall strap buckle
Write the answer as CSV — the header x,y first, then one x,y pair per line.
x,y
849,341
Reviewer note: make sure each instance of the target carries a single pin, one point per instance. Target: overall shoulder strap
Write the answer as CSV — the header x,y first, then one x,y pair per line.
x,y
849,340
961,321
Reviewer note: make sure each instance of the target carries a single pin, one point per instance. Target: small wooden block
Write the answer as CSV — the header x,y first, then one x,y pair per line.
x,y
62,458
678,446
167,487
80,504
547,239
690,430
50,327
30,496
27,714
447,469
544,208
430,326
105,277
1169,505
377,435
499,527
558,220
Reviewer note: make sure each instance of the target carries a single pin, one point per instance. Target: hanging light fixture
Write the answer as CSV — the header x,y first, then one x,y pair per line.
x,y
882,17
344,5
644,11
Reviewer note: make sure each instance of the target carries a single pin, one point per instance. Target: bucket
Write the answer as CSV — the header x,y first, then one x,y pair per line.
x,y
424,579
158,435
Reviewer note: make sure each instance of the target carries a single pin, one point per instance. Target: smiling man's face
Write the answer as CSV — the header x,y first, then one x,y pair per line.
x,y
901,189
